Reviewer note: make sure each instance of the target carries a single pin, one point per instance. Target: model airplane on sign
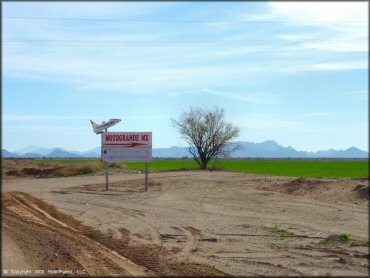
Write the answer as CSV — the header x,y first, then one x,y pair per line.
x,y
104,125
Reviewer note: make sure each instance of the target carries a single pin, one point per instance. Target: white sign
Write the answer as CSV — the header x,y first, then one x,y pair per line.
x,y
127,146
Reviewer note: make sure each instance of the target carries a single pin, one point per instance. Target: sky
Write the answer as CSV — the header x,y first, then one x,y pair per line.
x,y
293,72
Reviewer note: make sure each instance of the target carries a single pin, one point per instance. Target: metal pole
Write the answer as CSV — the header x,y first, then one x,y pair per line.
x,y
106,173
106,176
146,176
102,148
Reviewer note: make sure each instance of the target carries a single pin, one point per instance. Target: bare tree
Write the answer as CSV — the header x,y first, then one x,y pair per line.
x,y
207,134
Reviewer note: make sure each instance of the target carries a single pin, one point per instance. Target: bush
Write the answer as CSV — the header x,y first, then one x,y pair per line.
x,y
344,237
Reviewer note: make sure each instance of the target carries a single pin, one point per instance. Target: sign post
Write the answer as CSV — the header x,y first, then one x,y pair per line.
x,y
106,172
103,129
146,176
127,146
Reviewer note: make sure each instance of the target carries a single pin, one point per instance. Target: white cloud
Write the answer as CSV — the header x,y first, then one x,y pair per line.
x,y
330,26
147,117
331,13
318,114
51,128
13,117
100,10
345,21
142,71
245,97
156,69
261,121
323,41
334,66
332,114
350,65
28,118
358,94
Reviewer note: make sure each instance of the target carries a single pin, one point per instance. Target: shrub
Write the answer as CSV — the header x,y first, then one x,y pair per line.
x,y
344,237
280,232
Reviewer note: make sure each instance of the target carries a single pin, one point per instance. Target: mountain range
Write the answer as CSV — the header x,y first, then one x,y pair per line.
x,y
266,149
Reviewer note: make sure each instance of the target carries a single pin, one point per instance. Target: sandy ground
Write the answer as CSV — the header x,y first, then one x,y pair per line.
x,y
189,223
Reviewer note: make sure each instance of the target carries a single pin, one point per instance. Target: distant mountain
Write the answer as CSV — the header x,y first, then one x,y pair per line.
x,y
92,153
32,155
274,150
34,150
6,154
266,149
62,153
38,152
171,152
348,153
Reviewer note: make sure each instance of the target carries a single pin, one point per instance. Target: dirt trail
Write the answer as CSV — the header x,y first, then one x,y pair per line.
x,y
53,240
191,223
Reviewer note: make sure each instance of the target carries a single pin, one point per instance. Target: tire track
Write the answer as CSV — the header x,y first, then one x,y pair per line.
x,y
88,258
63,242
193,236
137,215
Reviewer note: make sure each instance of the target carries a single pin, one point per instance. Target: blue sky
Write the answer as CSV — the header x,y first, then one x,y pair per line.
x,y
293,72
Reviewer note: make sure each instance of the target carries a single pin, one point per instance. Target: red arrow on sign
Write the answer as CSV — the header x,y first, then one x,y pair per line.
x,y
132,144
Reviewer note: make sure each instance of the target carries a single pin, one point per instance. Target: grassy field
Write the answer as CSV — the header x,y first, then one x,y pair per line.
x,y
291,168
314,169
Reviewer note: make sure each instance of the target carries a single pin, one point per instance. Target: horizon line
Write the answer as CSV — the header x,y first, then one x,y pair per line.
x,y
253,142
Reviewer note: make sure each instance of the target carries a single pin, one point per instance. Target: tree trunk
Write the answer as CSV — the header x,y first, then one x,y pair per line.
x,y
204,163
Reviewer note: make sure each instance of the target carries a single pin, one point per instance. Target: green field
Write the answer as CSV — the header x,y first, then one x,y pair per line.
x,y
290,168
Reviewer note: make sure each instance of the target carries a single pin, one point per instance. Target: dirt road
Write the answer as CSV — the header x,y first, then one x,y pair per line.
x,y
189,223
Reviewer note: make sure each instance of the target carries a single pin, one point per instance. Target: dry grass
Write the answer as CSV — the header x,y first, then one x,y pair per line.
x,y
43,169
73,170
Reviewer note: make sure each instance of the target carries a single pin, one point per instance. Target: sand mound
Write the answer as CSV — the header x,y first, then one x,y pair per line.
x,y
302,186
349,191
362,191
